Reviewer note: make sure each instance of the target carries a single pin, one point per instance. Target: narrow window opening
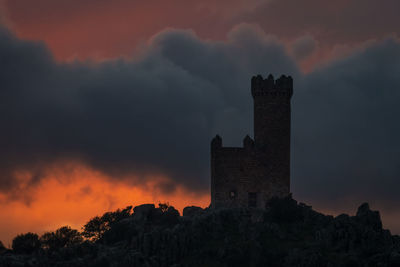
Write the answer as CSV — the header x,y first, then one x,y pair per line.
x,y
252,199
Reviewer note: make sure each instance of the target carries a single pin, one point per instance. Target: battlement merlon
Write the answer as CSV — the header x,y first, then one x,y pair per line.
x,y
281,87
216,142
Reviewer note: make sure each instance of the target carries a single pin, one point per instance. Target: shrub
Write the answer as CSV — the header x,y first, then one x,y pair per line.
x,y
62,237
97,226
2,247
26,243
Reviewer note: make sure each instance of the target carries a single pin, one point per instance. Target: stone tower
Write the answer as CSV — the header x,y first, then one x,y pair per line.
x,y
249,176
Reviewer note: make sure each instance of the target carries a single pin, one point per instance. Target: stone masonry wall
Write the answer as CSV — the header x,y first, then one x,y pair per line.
x,y
252,174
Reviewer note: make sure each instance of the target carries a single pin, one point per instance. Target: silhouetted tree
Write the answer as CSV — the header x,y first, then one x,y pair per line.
x,y
97,226
26,243
62,237
2,247
94,229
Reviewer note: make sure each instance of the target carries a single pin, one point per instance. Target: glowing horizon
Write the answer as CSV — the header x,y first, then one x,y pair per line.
x,y
71,194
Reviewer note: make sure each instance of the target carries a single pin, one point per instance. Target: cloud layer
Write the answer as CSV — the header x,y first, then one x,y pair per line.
x,y
156,113
346,129
103,29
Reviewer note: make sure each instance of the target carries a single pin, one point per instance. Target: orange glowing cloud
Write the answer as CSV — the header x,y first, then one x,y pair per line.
x,y
73,195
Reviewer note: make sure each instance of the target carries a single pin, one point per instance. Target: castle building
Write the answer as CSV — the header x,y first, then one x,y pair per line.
x,y
249,176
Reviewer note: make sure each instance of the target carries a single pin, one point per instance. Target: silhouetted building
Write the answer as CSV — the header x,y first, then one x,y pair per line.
x,y
249,176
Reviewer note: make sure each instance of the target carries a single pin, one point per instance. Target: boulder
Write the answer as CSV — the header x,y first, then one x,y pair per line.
x,y
142,212
192,211
368,217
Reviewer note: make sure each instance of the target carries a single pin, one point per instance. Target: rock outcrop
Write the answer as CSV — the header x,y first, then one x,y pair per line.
x,y
285,234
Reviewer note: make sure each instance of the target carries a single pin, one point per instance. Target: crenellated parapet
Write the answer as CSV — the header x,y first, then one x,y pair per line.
x,y
279,88
216,144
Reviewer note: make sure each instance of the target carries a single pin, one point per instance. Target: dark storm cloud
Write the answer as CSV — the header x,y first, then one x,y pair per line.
x,y
303,47
157,113
346,129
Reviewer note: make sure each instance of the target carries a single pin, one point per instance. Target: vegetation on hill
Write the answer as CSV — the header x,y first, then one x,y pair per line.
x,y
285,234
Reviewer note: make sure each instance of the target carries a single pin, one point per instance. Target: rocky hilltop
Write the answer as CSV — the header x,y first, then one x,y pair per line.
x,y
286,234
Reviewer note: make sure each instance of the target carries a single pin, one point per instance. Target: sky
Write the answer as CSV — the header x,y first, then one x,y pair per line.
x,y
106,104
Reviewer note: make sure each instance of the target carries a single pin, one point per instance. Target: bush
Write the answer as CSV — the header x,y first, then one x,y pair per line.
x,y
61,238
26,243
97,226
2,247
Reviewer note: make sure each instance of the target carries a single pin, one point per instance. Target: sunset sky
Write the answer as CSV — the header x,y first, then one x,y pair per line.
x,y
106,103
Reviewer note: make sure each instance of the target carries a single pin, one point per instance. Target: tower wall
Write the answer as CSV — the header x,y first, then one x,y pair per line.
x,y
272,120
252,174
